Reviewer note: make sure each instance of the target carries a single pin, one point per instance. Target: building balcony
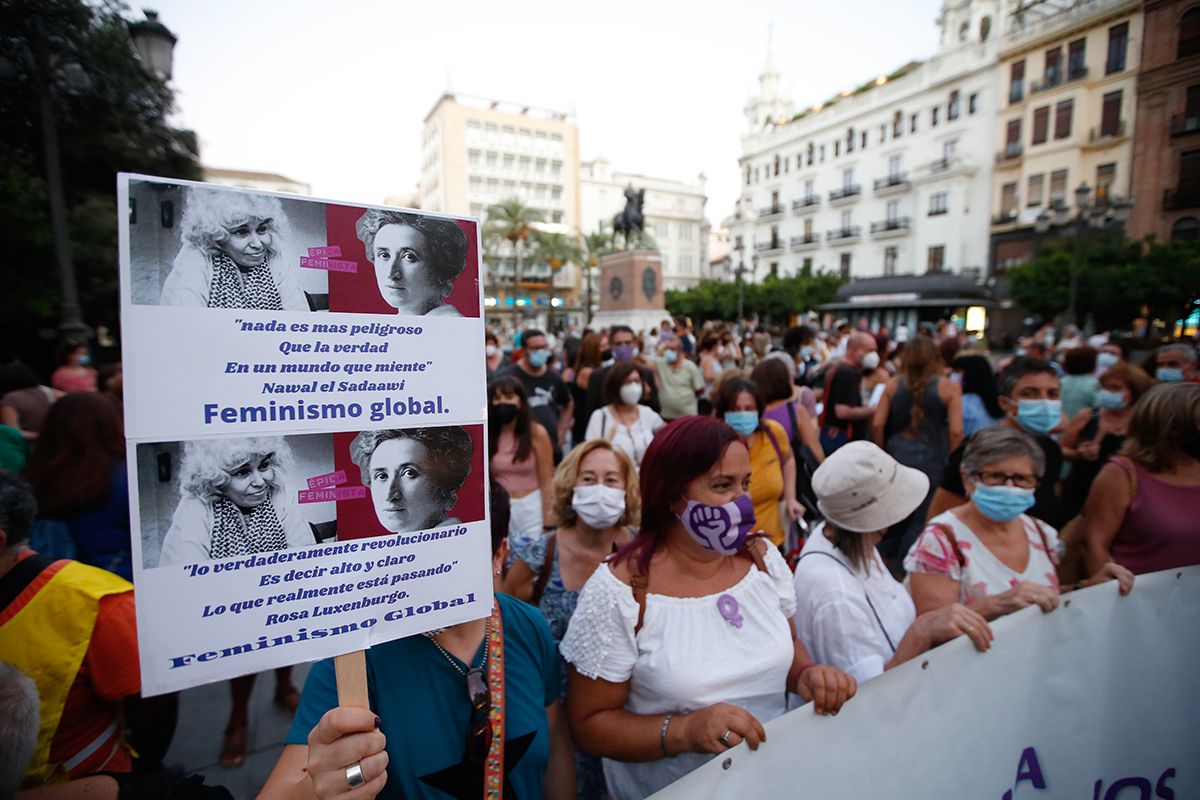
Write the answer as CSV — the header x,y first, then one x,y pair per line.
x,y
1182,125
1181,198
941,165
806,205
891,227
771,211
1004,218
1101,137
1010,156
846,194
806,242
1055,80
843,235
892,184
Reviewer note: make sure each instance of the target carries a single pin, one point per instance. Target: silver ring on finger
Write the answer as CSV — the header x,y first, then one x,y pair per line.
x,y
354,775
724,738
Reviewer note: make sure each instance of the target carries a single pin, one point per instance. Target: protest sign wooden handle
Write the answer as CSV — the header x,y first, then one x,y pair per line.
x,y
351,672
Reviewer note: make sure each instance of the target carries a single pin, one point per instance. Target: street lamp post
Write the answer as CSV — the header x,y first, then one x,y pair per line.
x,y
740,273
1098,216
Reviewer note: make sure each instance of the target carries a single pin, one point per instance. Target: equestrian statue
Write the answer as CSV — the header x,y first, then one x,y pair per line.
x,y
630,220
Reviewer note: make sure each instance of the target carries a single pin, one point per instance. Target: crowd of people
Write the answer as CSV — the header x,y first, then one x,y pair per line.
x,y
694,530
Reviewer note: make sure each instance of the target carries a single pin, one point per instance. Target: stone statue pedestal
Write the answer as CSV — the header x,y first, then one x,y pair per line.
x,y
631,290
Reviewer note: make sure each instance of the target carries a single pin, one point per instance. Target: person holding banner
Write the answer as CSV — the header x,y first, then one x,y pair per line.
x,y
987,553
232,254
850,611
417,259
429,732
681,645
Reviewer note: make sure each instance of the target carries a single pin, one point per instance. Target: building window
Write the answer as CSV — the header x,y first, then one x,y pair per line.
x,y
938,203
663,229
557,217
1189,170
893,210
1016,82
737,243
1036,186
1110,114
508,161
748,176
837,148
776,166
889,260
808,229
883,133
847,219
811,151
844,267
473,158
973,103
1077,59
1186,228
848,178
1118,43
492,158
810,188
897,124
1191,111
1041,125
806,266
937,259
1058,188
1052,74
933,115
1106,176
985,28
953,107
948,148
863,139
912,124
1012,138
1189,34
775,245
1062,119
850,140
1009,200
894,167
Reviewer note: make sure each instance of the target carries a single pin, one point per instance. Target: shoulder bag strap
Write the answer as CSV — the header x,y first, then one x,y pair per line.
x,y
543,576
797,442
493,768
778,452
1045,542
830,371
756,553
639,584
938,526
866,594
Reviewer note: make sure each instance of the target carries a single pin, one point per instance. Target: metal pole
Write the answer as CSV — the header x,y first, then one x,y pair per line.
x,y
1076,257
72,325
740,271
588,273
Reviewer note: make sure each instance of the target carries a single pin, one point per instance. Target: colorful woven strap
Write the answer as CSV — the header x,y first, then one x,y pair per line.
x,y
493,771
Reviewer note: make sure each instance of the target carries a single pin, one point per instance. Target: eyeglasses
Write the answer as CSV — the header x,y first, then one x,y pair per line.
x,y
479,733
989,478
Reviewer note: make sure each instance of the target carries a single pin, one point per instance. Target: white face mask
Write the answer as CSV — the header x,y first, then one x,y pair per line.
x,y
631,393
491,350
870,360
598,506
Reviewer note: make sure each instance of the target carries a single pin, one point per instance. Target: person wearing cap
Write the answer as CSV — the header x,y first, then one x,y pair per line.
x,y
987,553
850,612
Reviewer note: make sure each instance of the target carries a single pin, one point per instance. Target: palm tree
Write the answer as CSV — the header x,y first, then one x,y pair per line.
x,y
557,249
595,246
512,221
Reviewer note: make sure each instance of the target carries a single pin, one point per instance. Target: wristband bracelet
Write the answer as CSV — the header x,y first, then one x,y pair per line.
x,y
794,675
662,735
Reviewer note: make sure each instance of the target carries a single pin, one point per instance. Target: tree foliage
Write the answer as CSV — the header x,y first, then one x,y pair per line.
x,y
775,300
1117,279
113,120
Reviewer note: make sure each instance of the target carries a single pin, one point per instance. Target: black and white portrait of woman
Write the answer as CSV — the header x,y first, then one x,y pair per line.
x,y
413,474
234,501
232,254
417,259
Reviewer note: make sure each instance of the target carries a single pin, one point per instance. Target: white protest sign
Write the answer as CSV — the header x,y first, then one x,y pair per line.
x,y
1095,700
305,412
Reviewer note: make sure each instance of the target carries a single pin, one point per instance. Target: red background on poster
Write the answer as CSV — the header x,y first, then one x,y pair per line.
x,y
358,292
356,518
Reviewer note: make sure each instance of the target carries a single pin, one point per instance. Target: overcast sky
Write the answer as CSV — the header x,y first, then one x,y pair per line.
x,y
334,93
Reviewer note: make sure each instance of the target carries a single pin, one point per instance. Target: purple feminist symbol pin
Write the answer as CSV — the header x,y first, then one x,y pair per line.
x,y
727,604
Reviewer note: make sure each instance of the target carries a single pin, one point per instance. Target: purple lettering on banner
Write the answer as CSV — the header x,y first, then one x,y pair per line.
x,y
328,495
330,479
329,264
332,251
1028,769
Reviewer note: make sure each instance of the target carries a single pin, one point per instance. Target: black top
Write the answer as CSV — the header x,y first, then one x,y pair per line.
x,y
1083,472
1047,507
548,397
845,389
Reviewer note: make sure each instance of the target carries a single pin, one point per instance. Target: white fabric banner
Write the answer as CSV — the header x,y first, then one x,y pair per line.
x,y
1098,699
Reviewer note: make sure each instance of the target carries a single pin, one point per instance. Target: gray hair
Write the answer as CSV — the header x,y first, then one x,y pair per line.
x,y
1188,353
20,718
993,444
788,361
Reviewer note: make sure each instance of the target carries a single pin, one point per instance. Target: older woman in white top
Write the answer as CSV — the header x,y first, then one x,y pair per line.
x,y
850,611
681,645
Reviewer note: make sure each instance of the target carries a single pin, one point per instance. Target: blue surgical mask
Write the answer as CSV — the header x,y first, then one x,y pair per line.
x,y
538,358
1106,360
744,422
722,528
1039,416
1113,401
670,356
85,359
1164,374
1002,503
806,352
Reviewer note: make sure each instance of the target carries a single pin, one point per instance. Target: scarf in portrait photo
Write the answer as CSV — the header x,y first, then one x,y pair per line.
x,y
232,288
236,534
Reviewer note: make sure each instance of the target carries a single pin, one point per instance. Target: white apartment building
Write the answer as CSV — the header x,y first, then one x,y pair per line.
x,y
674,213
891,178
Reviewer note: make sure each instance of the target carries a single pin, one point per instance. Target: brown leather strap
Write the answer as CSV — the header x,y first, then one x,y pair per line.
x,y
937,526
543,576
756,553
639,584
1045,542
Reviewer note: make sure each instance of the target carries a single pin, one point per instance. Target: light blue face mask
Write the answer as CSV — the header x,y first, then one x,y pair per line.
x,y
1106,361
744,422
670,356
538,358
1002,503
1039,416
1169,374
806,352
1110,400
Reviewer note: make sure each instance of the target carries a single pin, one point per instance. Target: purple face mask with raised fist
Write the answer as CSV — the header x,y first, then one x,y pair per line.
x,y
721,528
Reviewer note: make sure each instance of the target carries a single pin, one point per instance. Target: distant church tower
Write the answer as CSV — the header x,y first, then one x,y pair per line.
x,y
964,22
768,105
